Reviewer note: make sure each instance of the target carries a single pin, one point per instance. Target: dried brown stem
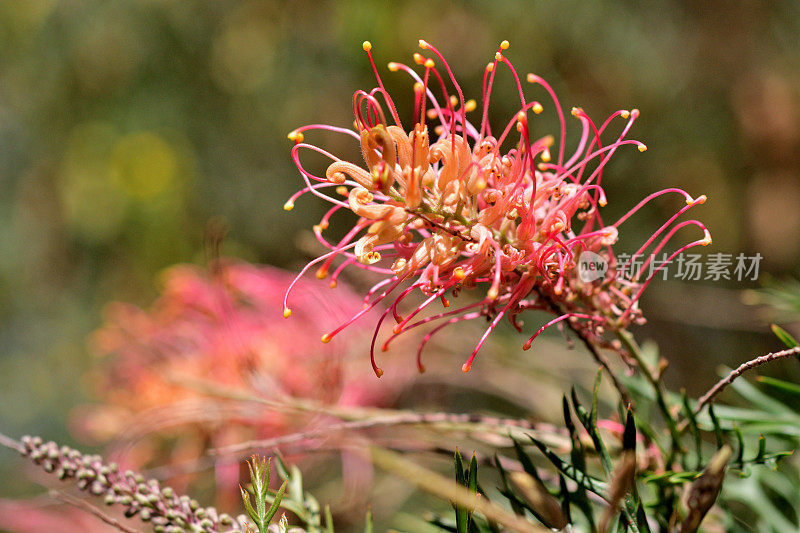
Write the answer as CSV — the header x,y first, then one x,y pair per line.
x,y
727,380
8,442
474,421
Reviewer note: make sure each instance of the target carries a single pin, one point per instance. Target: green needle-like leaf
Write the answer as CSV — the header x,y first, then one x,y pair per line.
x,y
367,522
276,503
329,519
247,505
462,516
690,416
785,337
715,422
784,386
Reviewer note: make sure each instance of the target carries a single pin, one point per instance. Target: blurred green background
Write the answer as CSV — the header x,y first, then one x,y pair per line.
x,y
127,126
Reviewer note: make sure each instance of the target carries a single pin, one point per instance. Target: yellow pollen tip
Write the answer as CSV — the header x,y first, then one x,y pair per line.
x,y
459,273
397,329
526,346
421,369
423,44
453,100
521,117
504,45
341,189
326,338
625,113
531,78
394,67
541,166
490,67
706,239
367,46
295,136
418,87
288,206
602,202
537,108
323,224
465,367
418,58
498,56
333,284
429,63
492,293
576,111
471,105
322,273
546,155
697,201
378,372
642,147
287,312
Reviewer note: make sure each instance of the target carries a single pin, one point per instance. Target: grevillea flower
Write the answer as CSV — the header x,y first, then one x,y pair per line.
x,y
447,205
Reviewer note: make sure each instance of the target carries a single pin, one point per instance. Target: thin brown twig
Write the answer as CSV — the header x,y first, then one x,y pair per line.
x,y
727,380
89,508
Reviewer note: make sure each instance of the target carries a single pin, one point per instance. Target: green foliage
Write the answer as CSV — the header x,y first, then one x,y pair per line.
x,y
723,457
260,468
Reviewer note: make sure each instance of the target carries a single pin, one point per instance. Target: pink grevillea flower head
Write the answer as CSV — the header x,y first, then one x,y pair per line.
x,y
221,327
446,205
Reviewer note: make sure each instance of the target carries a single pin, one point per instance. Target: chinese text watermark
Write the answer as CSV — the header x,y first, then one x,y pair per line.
x,y
686,267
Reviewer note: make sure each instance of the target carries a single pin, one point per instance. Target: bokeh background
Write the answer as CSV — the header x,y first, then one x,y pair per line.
x,y
132,130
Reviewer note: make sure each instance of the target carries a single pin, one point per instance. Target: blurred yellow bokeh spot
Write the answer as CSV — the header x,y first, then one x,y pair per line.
x,y
143,164
93,205
103,174
242,53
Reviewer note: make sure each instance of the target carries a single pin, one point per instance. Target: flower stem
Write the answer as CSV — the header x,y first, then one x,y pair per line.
x,y
627,339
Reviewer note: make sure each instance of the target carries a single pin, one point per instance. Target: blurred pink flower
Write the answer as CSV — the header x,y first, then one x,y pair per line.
x,y
222,327
446,205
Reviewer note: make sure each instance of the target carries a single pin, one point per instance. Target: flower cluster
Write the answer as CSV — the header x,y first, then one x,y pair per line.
x,y
167,511
447,205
